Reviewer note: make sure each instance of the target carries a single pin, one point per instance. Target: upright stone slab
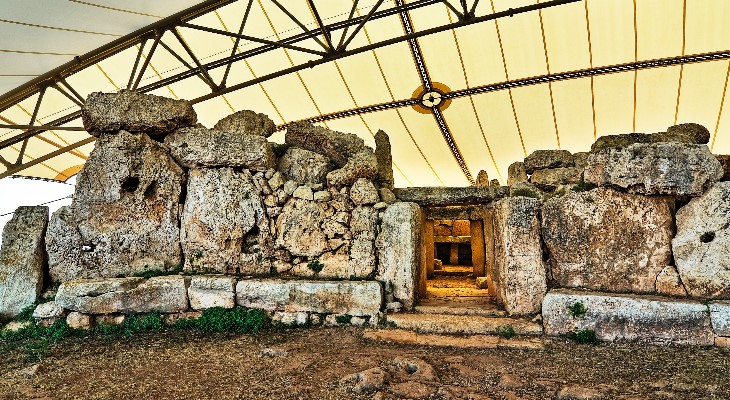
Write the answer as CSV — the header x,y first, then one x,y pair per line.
x,y
221,208
125,212
385,160
628,317
22,259
325,297
672,168
520,278
200,147
399,247
132,111
516,173
603,239
702,244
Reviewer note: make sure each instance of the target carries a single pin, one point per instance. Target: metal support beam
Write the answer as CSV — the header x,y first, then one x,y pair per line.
x,y
235,44
47,157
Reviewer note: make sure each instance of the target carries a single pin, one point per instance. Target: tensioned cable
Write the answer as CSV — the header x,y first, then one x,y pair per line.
x,y
42,204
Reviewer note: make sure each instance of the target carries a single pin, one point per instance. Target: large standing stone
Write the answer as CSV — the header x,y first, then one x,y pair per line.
x,y
124,216
516,173
361,165
399,248
608,240
304,166
616,317
22,259
352,298
702,244
520,277
661,168
298,229
385,159
221,208
482,179
248,123
197,146
336,146
552,178
720,317
135,112
543,159
163,294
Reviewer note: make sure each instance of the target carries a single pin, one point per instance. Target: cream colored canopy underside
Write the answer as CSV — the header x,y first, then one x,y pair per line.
x,y
491,129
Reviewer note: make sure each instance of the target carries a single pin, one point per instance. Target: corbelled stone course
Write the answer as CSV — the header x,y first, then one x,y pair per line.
x,y
163,294
198,146
324,297
608,240
623,317
124,218
336,146
135,112
661,168
702,244
22,259
248,123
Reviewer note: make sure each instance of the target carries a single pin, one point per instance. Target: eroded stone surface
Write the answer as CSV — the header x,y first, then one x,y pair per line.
x,y
22,259
720,317
608,240
544,159
669,283
163,294
124,216
221,208
551,179
702,244
197,146
450,196
299,230
385,159
615,317
361,165
324,297
519,269
363,192
212,291
516,173
135,112
659,168
248,123
336,146
304,166
399,247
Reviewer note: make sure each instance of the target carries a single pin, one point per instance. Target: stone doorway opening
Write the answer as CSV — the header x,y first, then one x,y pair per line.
x,y
458,248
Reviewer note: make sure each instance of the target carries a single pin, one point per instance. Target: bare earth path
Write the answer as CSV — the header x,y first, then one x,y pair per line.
x,y
185,365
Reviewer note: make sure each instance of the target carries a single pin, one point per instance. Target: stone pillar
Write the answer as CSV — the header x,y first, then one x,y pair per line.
x,y
489,266
428,247
454,254
477,247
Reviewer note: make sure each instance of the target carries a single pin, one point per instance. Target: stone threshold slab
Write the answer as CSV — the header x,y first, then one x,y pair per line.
x,y
462,324
471,342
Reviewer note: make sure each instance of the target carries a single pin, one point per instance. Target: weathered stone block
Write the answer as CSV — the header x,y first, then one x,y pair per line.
x,y
221,208
399,248
336,146
341,297
212,291
684,133
77,320
163,294
544,159
22,259
520,279
551,179
361,165
247,122
619,141
304,166
607,240
385,160
516,173
299,230
702,244
616,317
661,168
47,310
720,317
135,112
124,217
363,192
482,178
725,163
451,196
197,146
668,283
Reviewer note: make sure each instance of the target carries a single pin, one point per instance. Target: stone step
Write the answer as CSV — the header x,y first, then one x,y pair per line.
x,y
429,339
462,324
441,272
450,310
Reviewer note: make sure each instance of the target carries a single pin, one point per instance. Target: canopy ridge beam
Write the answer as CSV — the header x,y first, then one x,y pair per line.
x,y
36,161
185,63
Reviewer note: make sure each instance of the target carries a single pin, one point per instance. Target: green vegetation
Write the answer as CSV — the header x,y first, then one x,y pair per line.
x,y
505,331
35,339
343,319
583,336
315,266
577,309
582,186
525,192
219,319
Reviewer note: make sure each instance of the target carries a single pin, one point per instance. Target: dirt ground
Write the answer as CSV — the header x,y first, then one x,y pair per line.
x,y
308,364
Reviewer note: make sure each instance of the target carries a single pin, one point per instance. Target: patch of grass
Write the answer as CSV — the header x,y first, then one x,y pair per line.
x,y
26,314
343,319
525,192
35,339
581,186
577,309
219,319
583,336
315,266
505,331
131,325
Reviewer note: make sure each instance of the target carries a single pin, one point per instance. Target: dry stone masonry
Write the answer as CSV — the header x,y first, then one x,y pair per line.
x,y
628,241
